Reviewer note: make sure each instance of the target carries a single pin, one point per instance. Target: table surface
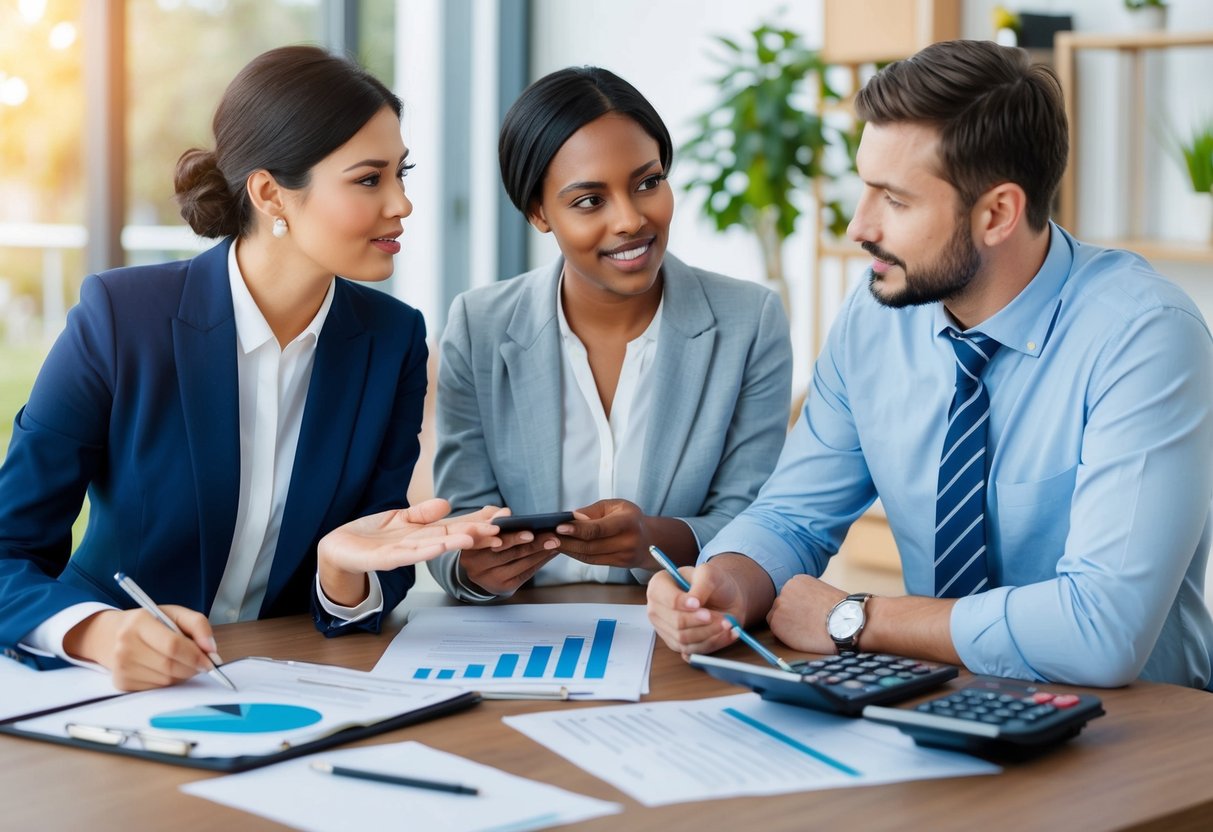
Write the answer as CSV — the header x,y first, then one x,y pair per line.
x,y
1148,764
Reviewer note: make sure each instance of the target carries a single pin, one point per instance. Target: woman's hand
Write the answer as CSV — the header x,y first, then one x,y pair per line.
x,y
394,538
141,652
608,533
503,568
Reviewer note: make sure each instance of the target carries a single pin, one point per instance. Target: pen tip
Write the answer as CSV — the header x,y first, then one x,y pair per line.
x,y
323,768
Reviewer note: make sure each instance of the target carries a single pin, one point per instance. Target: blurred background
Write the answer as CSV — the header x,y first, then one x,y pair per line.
x,y
98,98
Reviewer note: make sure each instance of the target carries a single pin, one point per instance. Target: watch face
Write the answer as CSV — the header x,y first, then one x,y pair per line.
x,y
845,620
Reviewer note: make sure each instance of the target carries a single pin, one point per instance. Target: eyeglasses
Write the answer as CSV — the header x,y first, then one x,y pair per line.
x,y
145,740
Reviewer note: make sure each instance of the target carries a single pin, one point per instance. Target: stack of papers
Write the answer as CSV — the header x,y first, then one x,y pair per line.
x,y
672,752
595,651
293,794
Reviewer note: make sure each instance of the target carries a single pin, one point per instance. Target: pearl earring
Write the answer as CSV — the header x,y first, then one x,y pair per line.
x,y
279,229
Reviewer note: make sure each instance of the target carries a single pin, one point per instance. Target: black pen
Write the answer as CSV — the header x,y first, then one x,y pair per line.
x,y
394,779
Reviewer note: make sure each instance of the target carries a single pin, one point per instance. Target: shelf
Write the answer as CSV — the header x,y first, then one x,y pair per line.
x,y
1132,45
1133,40
1173,251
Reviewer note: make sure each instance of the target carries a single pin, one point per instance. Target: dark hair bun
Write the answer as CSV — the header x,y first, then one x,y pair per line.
x,y
201,191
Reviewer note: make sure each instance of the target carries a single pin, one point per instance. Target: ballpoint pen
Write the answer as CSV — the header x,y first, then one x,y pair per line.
x,y
753,643
142,599
394,779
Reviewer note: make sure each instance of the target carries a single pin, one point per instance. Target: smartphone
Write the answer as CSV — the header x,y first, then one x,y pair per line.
x,y
532,522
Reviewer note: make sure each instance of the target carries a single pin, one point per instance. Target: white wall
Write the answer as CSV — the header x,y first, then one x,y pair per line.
x,y
663,49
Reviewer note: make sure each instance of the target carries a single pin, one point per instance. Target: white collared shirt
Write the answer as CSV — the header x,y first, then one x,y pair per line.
x,y
273,384
601,458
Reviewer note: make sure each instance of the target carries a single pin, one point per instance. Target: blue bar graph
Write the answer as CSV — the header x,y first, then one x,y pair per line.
x,y
537,665
566,665
600,649
537,661
506,663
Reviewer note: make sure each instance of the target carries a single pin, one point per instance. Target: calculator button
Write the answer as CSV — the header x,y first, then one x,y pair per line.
x,y
891,682
920,669
868,677
1042,697
1065,700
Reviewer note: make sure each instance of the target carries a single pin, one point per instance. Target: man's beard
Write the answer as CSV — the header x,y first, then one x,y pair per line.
x,y
941,280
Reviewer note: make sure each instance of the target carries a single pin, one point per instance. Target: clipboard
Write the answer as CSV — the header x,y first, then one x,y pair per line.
x,y
394,705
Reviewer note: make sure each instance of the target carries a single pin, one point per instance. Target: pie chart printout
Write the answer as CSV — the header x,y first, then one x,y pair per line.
x,y
238,718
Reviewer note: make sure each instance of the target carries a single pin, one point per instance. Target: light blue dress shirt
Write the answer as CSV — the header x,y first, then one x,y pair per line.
x,y
1100,477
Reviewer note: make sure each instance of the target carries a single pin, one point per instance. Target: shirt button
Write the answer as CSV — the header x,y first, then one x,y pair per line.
x,y
1031,345
232,615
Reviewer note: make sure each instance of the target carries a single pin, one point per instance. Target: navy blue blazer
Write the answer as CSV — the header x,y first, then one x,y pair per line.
x,y
137,403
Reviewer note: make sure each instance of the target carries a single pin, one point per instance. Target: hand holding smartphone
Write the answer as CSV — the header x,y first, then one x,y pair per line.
x,y
532,522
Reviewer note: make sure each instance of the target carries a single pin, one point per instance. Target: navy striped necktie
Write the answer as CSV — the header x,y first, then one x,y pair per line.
x,y
960,499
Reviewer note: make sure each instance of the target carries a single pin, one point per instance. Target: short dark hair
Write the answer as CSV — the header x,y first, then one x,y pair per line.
x,y
1000,118
555,107
285,111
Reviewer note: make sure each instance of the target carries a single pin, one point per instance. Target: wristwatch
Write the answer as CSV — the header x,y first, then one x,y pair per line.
x,y
846,620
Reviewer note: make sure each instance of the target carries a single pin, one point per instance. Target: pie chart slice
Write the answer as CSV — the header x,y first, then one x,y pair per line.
x,y
238,718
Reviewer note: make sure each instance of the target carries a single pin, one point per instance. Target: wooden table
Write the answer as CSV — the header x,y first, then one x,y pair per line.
x,y
1148,764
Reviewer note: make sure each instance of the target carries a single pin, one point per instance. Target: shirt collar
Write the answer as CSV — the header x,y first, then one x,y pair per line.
x,y
649,334
1024,324
252,330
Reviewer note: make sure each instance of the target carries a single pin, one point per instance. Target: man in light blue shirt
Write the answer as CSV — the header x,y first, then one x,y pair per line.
x,y
1071,545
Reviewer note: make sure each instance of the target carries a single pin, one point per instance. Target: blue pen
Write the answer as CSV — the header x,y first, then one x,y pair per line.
x,y
668,565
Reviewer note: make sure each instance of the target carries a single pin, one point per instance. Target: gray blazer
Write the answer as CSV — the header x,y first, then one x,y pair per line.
x,y
724,369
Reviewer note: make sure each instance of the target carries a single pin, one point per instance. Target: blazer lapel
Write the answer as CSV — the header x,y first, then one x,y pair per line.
x,y
336,389
684,356
532,354
204,347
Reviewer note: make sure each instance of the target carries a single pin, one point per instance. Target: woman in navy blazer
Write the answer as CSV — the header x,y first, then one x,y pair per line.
x,y
244,423
650,396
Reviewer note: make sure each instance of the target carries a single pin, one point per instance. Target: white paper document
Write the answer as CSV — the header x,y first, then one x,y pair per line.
x,y
24,690
294,794
596,651
277,705
672,752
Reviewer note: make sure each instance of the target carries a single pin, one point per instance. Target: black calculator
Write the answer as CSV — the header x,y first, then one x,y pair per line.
x,y
1000,717
839,684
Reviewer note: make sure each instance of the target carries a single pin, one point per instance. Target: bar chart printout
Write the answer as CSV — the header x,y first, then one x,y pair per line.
x,y
596,651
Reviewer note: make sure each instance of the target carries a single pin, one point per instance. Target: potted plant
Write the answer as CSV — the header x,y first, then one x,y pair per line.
x,y
1197,154
1147,15
759,147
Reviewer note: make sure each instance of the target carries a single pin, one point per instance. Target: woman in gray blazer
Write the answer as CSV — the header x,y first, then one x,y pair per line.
x,y
648,396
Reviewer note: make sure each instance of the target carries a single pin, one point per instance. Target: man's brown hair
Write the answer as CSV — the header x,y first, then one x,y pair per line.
x,y
1000,118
